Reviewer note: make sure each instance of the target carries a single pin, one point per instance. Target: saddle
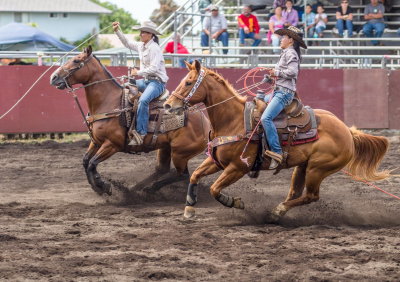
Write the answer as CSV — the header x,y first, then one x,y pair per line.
x,y
296,119
296,124
159,122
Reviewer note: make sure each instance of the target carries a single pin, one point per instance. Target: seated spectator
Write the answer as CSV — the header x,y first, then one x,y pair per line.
x,y
291,15
18,61
277,21
398,32
279,3
344,17
248,27
180,49
320,21
276,3
309,19
216,27
373,13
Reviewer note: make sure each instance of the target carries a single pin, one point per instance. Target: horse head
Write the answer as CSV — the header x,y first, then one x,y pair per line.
x,y
189,91
73,71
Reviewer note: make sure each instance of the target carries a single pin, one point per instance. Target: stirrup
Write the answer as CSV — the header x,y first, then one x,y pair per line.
x,y
136,138
276,159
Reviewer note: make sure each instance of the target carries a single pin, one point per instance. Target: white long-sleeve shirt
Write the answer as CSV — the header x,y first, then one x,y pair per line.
x,y
151,58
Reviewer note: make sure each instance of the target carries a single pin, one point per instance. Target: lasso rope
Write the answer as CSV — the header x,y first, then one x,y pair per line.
x,y
40,77
370,184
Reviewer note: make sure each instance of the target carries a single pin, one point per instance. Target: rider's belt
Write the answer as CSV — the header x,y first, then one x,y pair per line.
x,y
284,89
153,77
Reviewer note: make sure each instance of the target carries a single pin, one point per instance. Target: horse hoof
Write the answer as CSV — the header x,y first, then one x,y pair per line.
x,y
190,212
238,203
273,218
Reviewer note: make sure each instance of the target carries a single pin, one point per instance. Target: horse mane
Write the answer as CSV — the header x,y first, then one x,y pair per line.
x,y
108,73
222,80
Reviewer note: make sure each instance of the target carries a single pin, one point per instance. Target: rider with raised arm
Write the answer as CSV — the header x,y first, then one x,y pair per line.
x,y
286,72
152,68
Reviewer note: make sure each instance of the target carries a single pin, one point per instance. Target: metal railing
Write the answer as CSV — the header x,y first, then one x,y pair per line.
x,y
232,60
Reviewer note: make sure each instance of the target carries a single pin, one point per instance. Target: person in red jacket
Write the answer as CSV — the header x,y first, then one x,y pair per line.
x,y
180,49
248,27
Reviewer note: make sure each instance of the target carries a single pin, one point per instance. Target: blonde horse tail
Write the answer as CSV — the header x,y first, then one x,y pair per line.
x,y
368,155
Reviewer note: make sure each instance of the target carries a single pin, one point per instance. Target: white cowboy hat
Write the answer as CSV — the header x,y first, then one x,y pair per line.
x,y
148,26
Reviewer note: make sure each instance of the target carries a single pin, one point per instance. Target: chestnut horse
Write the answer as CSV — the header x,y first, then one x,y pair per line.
x,y
103,95
337,147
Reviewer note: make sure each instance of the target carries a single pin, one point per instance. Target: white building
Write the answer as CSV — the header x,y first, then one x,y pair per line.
x,y
70,19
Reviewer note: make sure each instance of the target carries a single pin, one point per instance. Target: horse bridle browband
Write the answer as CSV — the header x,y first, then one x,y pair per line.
x,y
71,71
186,99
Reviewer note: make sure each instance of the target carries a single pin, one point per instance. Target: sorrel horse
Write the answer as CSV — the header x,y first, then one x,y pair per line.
x,y
337,147
103,95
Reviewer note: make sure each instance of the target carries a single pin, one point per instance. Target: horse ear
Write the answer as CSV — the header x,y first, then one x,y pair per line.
x,y
197,65
88,50
188,65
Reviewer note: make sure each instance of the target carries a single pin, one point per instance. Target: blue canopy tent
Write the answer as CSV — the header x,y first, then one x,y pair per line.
x,y
21,37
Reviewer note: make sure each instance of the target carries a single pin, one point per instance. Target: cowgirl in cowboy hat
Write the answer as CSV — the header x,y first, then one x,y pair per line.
x,y
152,68
286,72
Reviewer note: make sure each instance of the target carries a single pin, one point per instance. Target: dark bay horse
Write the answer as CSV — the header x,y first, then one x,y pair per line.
x,y
337,147
109,137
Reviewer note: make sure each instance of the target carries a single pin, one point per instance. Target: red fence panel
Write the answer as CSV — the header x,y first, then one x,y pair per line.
x,y
350,94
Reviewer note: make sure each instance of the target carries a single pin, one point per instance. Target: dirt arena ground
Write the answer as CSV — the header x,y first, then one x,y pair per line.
x,y
54,227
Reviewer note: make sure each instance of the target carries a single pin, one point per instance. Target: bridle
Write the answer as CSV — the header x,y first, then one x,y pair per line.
x,y
186,99
71,71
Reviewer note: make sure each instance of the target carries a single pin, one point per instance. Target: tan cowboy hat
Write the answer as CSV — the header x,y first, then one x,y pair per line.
x,y
293,32
148,26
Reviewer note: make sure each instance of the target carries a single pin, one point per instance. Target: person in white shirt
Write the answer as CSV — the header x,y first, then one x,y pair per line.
x,y
320,21
152,69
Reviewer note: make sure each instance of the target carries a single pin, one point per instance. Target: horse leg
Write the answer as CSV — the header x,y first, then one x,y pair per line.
x,y
298,183
230,175
313,181
98,184
88,155
206,168
163,160
182,173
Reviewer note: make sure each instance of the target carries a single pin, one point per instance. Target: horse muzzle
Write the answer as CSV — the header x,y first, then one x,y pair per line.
x,y
173,111
57,81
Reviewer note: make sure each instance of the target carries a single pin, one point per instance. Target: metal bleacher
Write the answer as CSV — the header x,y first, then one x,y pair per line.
x,y
327,52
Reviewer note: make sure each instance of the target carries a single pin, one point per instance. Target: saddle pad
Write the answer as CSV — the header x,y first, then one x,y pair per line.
x,y
168,123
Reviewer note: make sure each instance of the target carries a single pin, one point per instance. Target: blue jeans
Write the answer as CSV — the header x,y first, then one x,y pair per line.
x,y
340,25
243,36
150,89
369,28
278,103
223,37
319,29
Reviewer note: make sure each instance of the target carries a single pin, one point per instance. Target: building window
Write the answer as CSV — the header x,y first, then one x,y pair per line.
x,y
18,17
53,15
65,15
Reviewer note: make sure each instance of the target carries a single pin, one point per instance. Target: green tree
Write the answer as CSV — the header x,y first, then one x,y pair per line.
x,y
118,14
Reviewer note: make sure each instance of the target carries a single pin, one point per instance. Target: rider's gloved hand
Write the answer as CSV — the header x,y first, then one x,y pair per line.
x,y
268,79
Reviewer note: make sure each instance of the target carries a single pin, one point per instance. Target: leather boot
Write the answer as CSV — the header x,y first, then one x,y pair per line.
x,y
276,159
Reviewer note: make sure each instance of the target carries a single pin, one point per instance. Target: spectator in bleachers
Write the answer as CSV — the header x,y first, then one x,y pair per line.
x,y
215,26
344,17
398,32
248,27
373,13
180,49
309,19
276,3
320,21
277,21
291,15
204,7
